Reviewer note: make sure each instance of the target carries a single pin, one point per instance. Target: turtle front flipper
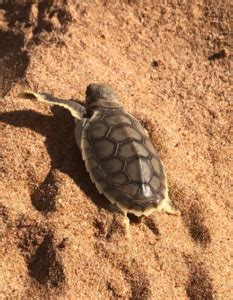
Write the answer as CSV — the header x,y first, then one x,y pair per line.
x,y
76,109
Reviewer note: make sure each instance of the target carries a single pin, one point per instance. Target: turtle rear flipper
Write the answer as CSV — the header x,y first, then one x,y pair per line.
x,y
76,109
165,205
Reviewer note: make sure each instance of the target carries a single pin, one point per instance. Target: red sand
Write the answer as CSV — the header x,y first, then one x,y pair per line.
x,y
170,64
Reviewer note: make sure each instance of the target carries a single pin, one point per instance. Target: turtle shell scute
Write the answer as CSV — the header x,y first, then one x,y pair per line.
x,y
104,148
122,161
124,131
139,170
119,178
98,131
131,149
117,119
112,165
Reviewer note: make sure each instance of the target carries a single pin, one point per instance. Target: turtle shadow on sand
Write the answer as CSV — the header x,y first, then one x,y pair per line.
x,y
63,151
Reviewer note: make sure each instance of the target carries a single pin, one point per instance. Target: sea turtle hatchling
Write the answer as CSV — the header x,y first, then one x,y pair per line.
x,y
116,149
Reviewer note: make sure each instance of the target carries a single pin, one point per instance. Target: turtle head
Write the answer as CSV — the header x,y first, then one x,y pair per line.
x,y
101,96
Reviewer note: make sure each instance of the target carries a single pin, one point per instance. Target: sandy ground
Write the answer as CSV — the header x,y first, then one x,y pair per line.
x,y
170,65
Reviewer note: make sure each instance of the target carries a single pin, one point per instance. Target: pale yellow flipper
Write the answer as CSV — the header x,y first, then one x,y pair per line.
x,y
76,109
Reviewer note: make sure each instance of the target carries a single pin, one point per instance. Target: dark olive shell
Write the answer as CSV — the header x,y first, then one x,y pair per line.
x,y
122,162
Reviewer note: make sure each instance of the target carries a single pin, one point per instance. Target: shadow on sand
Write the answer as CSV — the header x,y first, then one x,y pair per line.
x,y
63,151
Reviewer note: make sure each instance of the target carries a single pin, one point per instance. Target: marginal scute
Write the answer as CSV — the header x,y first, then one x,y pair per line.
x,y
112,165
112,194
131,149
85,143
139,127
117,119
149,145
98,131
87,153
97,173
84,133
123,132
155,182
104,148
156,165
101,185
90,164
